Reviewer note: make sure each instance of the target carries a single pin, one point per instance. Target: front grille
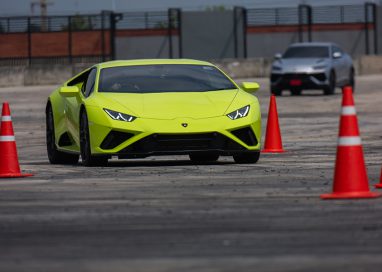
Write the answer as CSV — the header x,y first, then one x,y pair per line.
x,y
114,139
320,77
178,143
275,77
246,135
289,76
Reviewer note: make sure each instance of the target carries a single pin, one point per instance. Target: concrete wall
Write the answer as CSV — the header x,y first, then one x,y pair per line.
x,y
38,75
268,44
144,47
208,35
237,68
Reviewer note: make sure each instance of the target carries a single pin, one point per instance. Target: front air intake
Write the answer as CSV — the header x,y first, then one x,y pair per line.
x,y
115,138
246,135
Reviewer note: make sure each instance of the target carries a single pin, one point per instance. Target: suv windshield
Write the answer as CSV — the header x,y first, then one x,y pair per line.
x,y
163,78
307,52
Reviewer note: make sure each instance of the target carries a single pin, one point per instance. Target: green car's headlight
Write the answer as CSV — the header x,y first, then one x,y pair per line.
x,y
115,115
242,112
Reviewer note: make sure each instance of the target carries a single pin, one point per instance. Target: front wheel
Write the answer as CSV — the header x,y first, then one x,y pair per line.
x,y
251,157
330,89
352,79
87,158
276,92
55,156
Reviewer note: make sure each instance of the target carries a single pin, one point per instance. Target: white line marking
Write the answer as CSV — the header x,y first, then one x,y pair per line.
x,y
349,141
348,110
7,138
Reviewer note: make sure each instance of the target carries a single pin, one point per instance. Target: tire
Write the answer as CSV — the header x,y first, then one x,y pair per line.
x,y
276,92
352,79
203,157
251,157
330,89
55,156
87,158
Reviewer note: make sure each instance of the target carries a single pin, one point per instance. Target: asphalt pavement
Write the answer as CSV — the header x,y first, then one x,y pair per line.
x,y
166,214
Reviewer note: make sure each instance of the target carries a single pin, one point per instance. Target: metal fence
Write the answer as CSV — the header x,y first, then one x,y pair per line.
x,y
320,15
128,20
155,20
107,24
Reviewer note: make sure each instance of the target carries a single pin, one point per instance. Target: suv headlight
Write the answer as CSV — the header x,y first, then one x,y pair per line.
x,y
240,113
115,115
276,68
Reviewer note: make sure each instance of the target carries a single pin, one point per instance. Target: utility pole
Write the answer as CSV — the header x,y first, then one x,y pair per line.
x,y
43,11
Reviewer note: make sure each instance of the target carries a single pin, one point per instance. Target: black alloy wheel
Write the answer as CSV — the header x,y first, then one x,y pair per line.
x,y
55,156
87,158
251,157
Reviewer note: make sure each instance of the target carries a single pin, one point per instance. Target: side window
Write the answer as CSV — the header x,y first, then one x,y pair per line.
x,y
337,49
89,85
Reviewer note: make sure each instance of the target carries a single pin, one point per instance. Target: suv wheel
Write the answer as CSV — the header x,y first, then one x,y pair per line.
x,y
330,89
351,79
276,92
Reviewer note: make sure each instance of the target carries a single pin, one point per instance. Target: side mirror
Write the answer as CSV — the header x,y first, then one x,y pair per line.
x,y
69,91
250,87
337,55
278,56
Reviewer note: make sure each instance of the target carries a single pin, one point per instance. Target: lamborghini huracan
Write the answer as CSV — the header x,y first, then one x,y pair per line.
x,y
141,108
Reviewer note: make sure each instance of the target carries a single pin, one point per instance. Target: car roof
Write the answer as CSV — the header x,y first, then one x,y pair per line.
x,y
313,44
117,63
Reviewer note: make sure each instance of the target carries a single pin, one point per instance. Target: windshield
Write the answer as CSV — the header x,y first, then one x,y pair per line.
x,y
163,78
307,52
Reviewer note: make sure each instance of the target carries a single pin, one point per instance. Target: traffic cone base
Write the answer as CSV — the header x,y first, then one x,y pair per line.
x,y
379,185
273,151
350,195
15,175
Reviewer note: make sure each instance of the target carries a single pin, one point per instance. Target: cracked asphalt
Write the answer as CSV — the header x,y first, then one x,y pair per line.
x,y
166,214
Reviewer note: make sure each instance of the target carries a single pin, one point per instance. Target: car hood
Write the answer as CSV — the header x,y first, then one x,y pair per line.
x,y
300,63
171,105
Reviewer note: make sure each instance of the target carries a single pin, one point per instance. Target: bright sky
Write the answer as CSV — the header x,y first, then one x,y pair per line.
x,y
23,7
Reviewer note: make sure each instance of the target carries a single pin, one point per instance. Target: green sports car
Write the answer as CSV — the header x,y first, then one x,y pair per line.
x,y
140,108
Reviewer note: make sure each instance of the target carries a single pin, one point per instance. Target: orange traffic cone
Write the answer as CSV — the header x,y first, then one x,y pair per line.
x,y
9,164
379,185
273,143
350,177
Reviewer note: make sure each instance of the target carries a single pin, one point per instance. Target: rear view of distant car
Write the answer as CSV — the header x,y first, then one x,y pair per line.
x,y
311,66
